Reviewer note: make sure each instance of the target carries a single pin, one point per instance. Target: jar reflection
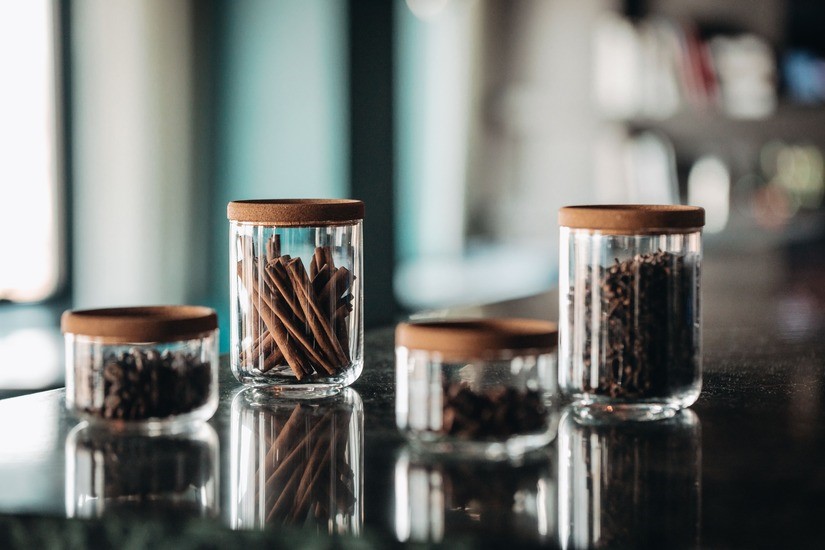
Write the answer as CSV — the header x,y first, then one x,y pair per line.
x,y
436,498
111,472
629,484
297,462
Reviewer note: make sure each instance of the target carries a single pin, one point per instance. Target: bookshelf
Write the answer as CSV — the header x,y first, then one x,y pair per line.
x,y
717,55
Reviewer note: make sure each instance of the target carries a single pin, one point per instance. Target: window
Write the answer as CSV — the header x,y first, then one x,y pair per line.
x,y
29,207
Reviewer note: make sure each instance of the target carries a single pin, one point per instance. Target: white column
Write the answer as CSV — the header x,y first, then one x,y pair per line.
x,y
132,139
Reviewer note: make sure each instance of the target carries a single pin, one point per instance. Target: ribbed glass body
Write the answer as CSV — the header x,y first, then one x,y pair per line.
x,y
297,463
147,386
496,407
630,321
296,306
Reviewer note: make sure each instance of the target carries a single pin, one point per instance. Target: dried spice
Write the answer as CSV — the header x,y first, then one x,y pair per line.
x,y
494,412
298,318
139,384
647,335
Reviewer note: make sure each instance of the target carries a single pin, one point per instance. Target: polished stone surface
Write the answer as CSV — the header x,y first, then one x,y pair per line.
x,y
742,468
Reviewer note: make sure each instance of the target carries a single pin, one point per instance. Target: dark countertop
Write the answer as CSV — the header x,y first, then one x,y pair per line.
x,y
742,468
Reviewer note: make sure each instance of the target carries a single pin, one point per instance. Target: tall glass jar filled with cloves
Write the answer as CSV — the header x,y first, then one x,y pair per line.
x,y
630,324
476,388
296,294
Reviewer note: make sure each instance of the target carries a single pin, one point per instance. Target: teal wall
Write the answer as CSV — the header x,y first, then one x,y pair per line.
x,y
280,113
410,113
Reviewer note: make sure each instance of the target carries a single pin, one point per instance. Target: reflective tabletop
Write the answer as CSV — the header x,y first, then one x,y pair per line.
x,y
741,468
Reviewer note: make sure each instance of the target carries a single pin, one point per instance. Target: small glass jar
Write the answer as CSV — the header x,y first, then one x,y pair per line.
x,y
476,387
109,472
297,462
147,368
630,484
629,309
494,501
297,294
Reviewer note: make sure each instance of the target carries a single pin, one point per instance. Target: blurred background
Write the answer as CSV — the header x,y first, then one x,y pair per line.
x,y
127,125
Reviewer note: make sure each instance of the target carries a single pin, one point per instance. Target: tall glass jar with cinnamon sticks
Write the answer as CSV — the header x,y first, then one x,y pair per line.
x,y
629,317
296,293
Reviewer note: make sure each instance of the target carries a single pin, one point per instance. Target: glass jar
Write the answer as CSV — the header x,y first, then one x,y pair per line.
x,y
296,462
146,368
297,294
630,484
476,387
498,502
112,472
630,324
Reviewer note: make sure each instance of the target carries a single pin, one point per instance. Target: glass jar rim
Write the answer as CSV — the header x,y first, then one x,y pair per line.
x,y
632,217
141,324
476,337
296,211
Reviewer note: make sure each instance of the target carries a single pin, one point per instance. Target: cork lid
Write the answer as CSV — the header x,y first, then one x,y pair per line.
x,y
141,324
296,212
477,337
632,217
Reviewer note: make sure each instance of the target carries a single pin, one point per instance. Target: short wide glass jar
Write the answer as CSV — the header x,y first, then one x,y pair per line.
x,y
146,368
296,294
629,309
479,388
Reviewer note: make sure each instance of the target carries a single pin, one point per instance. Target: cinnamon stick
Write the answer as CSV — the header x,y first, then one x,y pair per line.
x,y
245,244
280,279
320,279
276,328
342,333
272,358
259,347
320,258
335,287
315,318
273,247
326,252
292,354
279,309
